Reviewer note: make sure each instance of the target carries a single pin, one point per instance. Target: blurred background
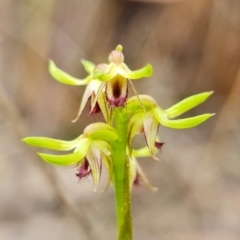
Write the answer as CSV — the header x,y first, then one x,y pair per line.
x,y
193,45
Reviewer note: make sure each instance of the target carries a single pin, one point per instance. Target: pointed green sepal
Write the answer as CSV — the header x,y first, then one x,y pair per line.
x,y
64,77
88,66
180,123
51,143
63,160
146,71
187,104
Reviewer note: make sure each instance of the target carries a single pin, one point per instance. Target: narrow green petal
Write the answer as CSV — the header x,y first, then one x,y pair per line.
x,y
141,73
180,123
187,104
64,160
51,143
64,77
88,66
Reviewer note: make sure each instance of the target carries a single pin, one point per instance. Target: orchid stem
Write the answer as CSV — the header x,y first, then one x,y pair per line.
x,y
121,176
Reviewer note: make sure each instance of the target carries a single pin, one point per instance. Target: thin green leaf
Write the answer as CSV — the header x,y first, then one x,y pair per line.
x,y
187,104
64,77
50,143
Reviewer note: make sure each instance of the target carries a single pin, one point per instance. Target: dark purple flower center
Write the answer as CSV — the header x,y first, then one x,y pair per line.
x,y
96,109
158,145
84,170
117,93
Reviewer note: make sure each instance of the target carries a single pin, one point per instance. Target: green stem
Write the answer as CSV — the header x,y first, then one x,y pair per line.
x,y
121,177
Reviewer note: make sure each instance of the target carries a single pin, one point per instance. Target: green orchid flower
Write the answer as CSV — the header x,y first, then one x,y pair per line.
x,y
147,120
90,149
106,83
116,77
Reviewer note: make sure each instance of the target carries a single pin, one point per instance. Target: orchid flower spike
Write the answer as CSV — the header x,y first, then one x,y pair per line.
x,y
110,143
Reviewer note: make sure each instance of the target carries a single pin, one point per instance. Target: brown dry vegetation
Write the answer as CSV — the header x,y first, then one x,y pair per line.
x,y
193,45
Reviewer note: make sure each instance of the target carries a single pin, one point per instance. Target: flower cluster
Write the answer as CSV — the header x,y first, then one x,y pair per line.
x,y
107,89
